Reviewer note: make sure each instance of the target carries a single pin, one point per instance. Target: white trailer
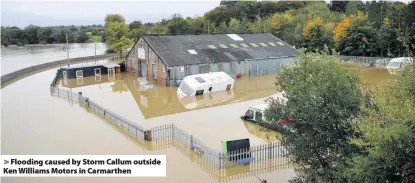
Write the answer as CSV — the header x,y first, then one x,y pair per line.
x,y
207,83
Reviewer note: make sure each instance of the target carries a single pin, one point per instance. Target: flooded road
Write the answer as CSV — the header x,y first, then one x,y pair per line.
x,y
18,57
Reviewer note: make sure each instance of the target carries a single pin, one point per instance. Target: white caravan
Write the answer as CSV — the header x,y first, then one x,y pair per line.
x,y
207,83
397,65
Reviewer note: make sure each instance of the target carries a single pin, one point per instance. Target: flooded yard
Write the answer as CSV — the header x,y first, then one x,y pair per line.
x,y
34,122
200,116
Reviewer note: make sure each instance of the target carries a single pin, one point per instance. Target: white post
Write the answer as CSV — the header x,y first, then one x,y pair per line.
x,y
67,47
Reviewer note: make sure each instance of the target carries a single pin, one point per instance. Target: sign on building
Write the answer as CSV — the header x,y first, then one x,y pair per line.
x,y
141,53
180,68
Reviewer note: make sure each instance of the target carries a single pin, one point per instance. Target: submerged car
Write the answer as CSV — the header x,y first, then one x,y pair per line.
x,y
255,114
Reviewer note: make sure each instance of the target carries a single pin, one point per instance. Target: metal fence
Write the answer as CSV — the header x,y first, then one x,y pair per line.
x,y
376,61
223,167
127,126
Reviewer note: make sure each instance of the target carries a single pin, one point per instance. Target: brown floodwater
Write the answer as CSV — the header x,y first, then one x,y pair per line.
x,y
33,122
201,116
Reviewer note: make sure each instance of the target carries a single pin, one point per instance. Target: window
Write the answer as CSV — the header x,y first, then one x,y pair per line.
x,y
249,114
228,87
210,89
200,79
199,92
79,81
186,89
79,73
97,71
65,75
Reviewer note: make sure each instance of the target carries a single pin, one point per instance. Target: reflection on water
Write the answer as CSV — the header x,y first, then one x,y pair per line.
x,y
266,134
160,100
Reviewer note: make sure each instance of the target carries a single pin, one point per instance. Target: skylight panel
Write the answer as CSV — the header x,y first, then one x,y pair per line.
x,y
263,44
280,43
234,45
193,52
223,46
254,45
212,46
235,37
244,45
271,43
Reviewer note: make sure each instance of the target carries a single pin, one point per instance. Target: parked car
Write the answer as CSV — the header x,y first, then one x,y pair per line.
x,y
396,65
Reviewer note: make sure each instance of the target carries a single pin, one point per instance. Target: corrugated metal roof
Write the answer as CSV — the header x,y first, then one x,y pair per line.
x,y
173,48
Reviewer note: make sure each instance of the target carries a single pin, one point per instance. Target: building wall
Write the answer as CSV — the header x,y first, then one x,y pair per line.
x,y
142,55
245,68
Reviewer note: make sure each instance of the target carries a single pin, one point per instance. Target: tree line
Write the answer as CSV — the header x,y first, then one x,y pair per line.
x,y
372,28
33,34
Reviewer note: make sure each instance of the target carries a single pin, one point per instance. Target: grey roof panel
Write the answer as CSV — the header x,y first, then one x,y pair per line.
x,y
172,49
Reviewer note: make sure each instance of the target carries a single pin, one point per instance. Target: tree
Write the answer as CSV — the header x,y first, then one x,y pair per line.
x,y
196,25
357,38
138,32
117,37
5,37
31,34
223,28
178,25
82,37
135,24
354,6
322,99
44,35
158,29
339,6
388,131
235,26
316,36
113,18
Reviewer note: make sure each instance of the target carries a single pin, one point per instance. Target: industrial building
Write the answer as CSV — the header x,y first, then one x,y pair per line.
x,y
166,59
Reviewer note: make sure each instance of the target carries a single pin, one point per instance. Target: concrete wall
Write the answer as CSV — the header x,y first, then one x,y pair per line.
x,y
19,73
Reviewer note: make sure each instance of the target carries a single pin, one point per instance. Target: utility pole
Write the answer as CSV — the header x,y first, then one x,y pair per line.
x,y
95,55
67,47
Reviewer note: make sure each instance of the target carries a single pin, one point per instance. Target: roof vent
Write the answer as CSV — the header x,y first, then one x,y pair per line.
x,y
212,46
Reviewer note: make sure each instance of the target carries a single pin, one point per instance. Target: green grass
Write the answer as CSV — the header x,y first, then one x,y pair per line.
x,y
94,38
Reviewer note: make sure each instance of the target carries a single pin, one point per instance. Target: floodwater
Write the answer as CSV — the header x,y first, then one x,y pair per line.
x,y
18,57
200,116
33,122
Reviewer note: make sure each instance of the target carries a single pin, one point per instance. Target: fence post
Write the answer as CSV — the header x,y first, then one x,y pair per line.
x,y
147,135
191,142
172,130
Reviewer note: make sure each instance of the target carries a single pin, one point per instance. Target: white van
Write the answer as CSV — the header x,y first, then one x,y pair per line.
x,y
396,65
207,83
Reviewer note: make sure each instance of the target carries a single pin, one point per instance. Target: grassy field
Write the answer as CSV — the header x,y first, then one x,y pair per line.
x,y
94,38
